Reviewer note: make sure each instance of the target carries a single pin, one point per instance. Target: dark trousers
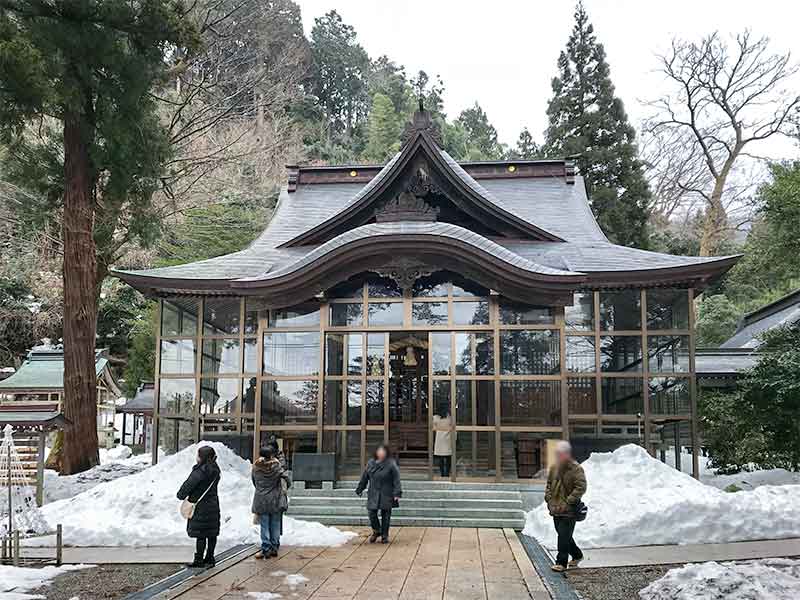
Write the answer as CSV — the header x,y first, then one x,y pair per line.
x,y
445,463
565,527
206,546
381,526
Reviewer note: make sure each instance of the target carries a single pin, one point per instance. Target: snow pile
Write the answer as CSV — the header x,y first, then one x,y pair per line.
x,y
115,454
59,487
142,509
771,579
636,500
15,581
115,463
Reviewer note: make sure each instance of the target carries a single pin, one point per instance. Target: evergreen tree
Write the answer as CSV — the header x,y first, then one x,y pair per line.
x,y
759,423
527,148
432,93
770,267
389,79
482,141
383,132
341,71
717,318
586,119
86,69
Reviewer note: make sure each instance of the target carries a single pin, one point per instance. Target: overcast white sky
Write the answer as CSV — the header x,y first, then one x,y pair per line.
x,y
503,53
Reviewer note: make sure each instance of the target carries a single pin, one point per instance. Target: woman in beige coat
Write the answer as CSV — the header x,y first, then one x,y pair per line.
x,y
443,442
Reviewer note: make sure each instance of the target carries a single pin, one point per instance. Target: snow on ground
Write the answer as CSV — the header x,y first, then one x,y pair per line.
x,y
15,581
750,480
115,463
771,579
142,510
636,500
746,480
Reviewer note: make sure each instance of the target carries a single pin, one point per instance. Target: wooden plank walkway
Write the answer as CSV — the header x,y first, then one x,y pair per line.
x,y
419,563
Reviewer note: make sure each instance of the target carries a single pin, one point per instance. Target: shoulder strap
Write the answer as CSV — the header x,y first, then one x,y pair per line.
x,y
207,490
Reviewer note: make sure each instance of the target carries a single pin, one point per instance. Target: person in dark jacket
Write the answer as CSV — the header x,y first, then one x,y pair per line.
x,y
204,524
269,500
383,476
566,484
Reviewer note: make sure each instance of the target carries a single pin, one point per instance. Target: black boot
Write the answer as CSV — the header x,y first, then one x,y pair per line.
x,y
209,561
375,535
197,563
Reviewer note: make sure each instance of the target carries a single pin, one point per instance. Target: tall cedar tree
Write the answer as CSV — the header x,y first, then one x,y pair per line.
x,y
481,134
341,70
383,131
89,66
586,119
527,148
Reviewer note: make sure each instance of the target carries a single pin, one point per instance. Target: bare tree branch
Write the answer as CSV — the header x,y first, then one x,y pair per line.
x,y
727,95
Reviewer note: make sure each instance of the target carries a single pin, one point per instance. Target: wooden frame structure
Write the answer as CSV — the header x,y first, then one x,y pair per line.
x,y
661,361
600,347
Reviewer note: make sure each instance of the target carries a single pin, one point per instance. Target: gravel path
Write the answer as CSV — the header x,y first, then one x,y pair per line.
x,y
618,583
105,582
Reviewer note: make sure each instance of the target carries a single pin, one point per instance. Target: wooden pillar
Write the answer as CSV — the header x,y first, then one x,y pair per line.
x,y
39,469
124,422
693,388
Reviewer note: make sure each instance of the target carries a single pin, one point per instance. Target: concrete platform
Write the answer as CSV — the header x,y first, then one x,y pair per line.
x,y
666,555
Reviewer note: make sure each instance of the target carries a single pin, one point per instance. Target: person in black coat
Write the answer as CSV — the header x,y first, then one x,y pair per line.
x,y
383,476
204,524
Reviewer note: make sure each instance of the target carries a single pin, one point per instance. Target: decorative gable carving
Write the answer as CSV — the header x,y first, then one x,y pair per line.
x,y
406,207
421,184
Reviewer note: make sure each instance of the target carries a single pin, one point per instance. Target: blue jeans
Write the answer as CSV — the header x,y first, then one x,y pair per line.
x,y
270,531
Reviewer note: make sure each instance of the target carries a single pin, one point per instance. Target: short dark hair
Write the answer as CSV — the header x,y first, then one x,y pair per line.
x,y
267,452
385,447
206,454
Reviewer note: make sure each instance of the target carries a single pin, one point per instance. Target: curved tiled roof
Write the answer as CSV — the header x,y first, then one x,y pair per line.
x,y
376,231
544,215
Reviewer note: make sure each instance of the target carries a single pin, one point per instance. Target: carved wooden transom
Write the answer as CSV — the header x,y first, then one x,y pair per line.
x,y
405,272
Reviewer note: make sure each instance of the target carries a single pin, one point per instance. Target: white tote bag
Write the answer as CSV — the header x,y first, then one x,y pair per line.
x,y
187,508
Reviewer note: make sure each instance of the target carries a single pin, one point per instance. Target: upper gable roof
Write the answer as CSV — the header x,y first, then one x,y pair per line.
x,y
448,176
783,312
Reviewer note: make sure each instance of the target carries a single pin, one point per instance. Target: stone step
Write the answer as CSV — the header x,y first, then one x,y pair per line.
x,y
459,485
363,521
410,492
405,511
425,503
508,504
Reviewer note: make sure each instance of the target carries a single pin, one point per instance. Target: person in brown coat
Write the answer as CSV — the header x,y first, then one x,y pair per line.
x,y
269,500
566,484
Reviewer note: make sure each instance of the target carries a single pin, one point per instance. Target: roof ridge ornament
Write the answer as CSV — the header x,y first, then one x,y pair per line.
x,y
422,122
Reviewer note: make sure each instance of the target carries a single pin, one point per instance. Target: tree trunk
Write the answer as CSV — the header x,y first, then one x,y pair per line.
x,y
56,453
715,221
80,301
